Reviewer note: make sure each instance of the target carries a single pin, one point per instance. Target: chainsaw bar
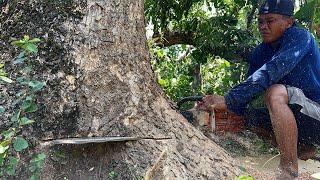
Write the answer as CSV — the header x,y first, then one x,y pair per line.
x,y
190,98
88,140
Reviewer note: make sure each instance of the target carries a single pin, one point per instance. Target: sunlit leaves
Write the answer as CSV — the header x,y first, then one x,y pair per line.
x,y
3,75
219,75
1,66
3,149
245,177
5,79
27,44
219,36
316,175
174,73
162,12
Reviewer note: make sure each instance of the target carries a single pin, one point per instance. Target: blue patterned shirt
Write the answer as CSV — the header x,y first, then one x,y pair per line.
x,y
296,62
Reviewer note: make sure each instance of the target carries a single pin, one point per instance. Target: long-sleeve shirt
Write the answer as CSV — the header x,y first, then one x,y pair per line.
x,y
295,62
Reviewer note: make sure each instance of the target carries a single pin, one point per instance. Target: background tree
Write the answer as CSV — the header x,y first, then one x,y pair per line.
x,y
200,47
214,36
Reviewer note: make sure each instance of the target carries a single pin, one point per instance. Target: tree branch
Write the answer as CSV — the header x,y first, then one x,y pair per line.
x,y
251,14
172,38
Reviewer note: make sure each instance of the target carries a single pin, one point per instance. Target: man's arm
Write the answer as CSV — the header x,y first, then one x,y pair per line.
x,y
254,63
212,102
282,63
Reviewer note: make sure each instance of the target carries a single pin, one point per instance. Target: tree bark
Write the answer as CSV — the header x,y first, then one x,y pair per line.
x,y
95,61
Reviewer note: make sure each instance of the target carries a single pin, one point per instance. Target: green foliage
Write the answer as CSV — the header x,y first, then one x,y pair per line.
x,y
242,169
216,27
2,109
220,35
28,105
25,121
316,175
305,12
219,41
233,146
261,146
176,75
3,149
12,142
161,13
12,165
20,144
113,175
27,44
245,177
309,16
59,157
219,75
3,75
36,165
36,85
166,12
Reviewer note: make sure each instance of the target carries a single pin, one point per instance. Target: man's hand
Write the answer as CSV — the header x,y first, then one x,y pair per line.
x,y
212,102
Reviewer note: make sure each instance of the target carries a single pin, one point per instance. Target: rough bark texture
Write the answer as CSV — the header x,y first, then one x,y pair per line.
x,y
95,61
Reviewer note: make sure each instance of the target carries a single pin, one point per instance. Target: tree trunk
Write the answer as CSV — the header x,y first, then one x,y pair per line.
x,y
95,62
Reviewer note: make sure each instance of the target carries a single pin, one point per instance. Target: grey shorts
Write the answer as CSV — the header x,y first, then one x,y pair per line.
x,y
308,107
306,112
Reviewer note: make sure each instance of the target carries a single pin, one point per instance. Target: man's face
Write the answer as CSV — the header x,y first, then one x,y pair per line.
x,y
272,26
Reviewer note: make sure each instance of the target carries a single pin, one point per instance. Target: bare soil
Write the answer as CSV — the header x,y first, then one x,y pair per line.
x,y
258,157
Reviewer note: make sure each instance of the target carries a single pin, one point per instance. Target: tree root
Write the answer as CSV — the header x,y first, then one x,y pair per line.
x,y
151,172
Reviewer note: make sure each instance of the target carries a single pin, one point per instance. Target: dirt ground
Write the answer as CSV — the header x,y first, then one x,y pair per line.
x,y
257,157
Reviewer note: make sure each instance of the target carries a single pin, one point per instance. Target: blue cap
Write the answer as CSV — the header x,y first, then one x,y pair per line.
x,y
283,7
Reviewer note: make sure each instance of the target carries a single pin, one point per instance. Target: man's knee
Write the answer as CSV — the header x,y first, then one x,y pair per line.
x,y
276,94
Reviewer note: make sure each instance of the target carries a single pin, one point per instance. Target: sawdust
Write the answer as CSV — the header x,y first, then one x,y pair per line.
x,y
257,157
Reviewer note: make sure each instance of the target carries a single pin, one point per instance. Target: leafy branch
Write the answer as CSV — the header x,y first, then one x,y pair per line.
x,y
12,142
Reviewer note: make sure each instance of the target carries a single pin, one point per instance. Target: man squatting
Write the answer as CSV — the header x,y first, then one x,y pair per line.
x,y
285,68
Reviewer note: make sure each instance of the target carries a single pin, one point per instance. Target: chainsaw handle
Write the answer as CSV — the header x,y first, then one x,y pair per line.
x,y
190,98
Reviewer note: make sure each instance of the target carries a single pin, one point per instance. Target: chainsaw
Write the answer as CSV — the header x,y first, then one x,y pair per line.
x,y
215,121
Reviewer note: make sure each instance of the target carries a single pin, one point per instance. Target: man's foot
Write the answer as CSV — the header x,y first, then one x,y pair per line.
x,y
287,174
306,151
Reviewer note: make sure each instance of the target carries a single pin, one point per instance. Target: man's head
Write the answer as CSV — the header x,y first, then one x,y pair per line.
x,y
275,16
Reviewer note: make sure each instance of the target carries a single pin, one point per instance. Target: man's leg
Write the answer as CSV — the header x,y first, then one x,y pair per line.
x,y
285,128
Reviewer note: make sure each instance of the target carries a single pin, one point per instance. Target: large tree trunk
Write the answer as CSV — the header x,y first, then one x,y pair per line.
x,y
96,64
